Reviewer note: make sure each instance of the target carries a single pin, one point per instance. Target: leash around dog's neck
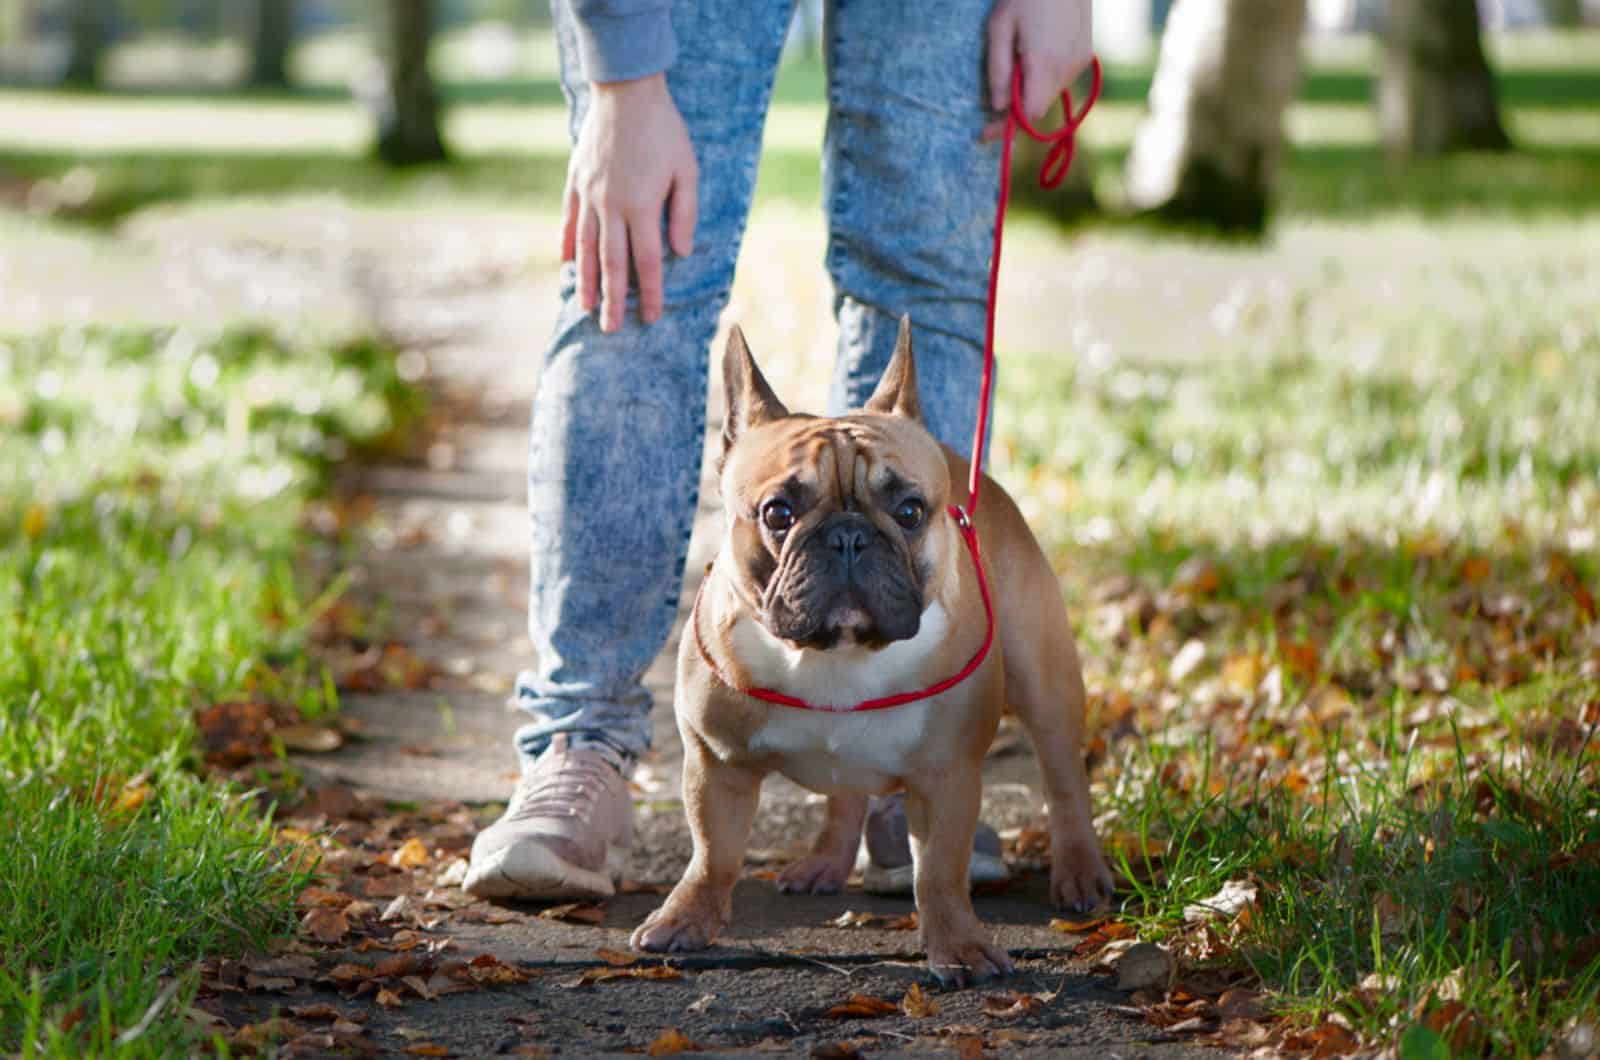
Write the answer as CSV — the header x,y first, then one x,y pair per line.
x,y
1057,161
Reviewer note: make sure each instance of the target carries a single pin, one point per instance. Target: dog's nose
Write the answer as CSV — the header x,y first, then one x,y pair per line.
x,y
848,539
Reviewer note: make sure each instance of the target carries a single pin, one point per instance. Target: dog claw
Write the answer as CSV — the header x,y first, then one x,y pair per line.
x,y
967,963
817,874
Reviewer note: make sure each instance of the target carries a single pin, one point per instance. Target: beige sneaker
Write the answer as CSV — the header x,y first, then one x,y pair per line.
x,y
565,834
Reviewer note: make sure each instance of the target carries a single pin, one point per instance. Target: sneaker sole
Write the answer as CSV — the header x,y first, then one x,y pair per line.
x,y
983,868
534,872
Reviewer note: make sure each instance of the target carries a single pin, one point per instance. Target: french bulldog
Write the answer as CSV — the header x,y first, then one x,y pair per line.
x,y
841,578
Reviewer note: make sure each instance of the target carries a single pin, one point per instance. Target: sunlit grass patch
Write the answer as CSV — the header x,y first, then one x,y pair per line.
x,y
151,489
1335,577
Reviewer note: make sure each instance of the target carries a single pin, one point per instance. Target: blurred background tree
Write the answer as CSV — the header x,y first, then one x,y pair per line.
x,y
87,31
408,106
272,36
1208,153
1436,92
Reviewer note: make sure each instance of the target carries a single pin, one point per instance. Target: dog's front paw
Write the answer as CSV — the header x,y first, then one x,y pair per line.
x,y
816,874
1079,879
962,960
678,926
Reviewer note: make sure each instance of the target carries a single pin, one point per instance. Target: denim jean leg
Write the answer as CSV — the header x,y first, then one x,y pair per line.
x,y
614,454
910,196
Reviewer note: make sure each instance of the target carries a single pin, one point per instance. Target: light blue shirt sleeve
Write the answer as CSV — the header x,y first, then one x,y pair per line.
x,y
619,40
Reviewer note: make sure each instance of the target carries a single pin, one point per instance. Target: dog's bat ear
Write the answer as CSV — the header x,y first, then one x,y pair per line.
x,y
750,399
896,393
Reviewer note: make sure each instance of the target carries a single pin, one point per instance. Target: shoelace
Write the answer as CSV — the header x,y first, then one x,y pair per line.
x,y
568,786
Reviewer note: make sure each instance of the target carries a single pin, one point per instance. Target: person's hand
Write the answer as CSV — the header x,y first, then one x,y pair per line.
x,y
633,154
1052,39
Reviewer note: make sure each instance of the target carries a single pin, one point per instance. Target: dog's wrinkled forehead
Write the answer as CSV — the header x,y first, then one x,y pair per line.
x,y
846,461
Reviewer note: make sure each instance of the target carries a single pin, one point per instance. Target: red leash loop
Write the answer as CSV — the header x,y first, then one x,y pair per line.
x,y
1057,161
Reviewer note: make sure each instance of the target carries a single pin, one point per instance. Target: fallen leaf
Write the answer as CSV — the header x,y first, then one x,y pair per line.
x,y
1144,966
616,958
268,982
1228,902
602,975
426,1049
1076,927
35,521
836,1051
326,924
388,998
1011,1005
349,973
319,1012
861,1006
918,1005
412,854
672,1041
1190,656
488,970
386,886
1242,671
575,912
313,739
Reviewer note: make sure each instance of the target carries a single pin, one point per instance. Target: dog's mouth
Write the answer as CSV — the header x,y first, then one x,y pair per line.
x,y
821,610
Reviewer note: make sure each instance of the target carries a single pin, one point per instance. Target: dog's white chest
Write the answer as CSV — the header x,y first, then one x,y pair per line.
x,y
842,750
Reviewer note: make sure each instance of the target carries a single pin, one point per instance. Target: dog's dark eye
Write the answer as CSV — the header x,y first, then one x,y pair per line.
x,y
909,514
777,515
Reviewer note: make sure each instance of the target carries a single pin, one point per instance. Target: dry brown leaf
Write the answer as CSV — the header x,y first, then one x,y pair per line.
x,y
313,739
672,1041
322,896
426,1049
411,854
389,998
602,975
397,964
252,981
918,1005
970,1049
1011,1005
1233,899
574,912
1144,966
1076,927
326,924
836,1051
348,973
488,970
861,1006
321,1012
616,958
386,886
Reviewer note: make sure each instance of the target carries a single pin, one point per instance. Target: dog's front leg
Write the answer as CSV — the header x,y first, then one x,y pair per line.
x,y
720,801
833,852
942,812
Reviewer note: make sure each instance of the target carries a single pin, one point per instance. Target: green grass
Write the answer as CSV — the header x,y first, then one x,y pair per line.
x,y
159,145
1371,504
151,485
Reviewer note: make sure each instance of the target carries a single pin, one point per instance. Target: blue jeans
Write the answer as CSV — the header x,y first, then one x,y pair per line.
x,y
614,462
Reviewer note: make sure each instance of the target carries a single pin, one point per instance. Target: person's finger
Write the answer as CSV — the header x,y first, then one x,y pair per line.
x,y
613,270
644,235
588,253
569,222
993,131
1002,56
1039,84
684,211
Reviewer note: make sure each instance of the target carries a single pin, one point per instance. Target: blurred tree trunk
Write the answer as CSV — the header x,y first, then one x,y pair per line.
x,y
86,41
1208,153
408,116
270,39
1435,91
1564,13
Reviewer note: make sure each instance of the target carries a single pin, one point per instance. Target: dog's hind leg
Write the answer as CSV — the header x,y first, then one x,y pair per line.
x,y
1044,688
833,851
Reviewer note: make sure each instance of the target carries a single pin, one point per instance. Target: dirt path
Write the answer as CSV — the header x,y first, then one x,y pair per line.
x,y
394,958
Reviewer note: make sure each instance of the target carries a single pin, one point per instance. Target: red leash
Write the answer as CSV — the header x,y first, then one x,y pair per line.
x,y
1057,161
